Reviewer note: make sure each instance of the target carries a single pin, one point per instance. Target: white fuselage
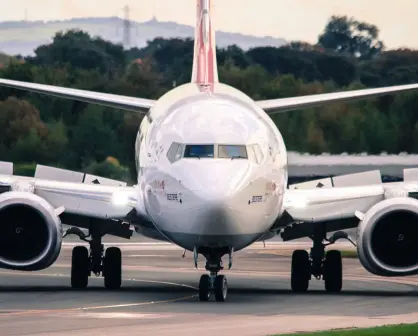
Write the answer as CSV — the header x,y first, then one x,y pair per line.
x,y
213,198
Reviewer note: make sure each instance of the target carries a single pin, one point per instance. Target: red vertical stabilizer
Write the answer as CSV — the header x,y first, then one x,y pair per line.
x,y
205,69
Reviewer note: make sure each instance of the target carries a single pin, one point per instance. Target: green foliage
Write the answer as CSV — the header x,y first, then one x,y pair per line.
x,y
108,169
81,51
79,136
395,330
347,35
4,59
24,169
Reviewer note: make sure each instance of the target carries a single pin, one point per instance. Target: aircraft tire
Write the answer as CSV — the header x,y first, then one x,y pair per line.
x,y
300,273
112,268
204,287
221,288
333,271
79,267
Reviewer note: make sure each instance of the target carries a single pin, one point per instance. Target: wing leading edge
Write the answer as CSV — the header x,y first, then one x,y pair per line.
x,y
121,102
273,106
91,200
142,105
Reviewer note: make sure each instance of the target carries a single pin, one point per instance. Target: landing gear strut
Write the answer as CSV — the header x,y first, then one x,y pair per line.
x,y
319,264
213,283
95,260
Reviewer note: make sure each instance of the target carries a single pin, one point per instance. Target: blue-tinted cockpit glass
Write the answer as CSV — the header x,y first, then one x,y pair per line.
x,y
200,151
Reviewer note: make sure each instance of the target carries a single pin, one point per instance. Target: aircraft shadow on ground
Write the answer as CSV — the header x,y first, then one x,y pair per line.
x,y
67,289
366,293
240,292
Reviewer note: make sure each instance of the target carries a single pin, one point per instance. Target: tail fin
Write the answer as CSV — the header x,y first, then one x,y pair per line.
x,y
205,69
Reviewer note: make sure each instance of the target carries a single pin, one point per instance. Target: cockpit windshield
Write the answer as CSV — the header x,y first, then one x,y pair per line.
x,y
178,151
232,151
199,151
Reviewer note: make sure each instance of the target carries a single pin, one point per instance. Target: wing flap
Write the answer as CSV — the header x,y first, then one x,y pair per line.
x,y
6,168
273,106
372,177
121,102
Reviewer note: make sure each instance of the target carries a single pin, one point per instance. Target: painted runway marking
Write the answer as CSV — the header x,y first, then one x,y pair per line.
x,y
5,313
124,279
67,310
363,278
121,315
147,255
237,273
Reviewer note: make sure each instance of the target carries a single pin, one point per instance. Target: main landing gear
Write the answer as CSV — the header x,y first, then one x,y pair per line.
x,y
213,283
319,264
95,260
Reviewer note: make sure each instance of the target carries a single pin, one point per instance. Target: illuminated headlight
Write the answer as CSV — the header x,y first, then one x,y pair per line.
x,y
296,203
120,199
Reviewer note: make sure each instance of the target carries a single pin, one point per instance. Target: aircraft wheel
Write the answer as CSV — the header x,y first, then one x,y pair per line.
x,y
300,274
80,267
221,288
112,268
204,288
333,271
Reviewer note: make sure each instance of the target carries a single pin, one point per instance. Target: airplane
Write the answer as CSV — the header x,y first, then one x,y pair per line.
x,y
212,178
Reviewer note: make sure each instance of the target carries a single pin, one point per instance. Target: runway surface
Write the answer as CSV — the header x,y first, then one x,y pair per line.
x,y
159,297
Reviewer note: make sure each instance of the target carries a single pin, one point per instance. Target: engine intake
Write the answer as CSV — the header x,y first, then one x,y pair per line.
x,y
30,232
388,238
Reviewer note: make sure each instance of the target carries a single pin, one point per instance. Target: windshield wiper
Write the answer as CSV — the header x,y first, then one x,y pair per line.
x,y
196,156
238,157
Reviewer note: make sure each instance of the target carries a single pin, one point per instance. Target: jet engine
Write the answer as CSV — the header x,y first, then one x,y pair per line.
x,y
387,239
30,232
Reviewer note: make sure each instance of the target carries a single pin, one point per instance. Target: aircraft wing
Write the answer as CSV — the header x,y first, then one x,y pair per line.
x,y
339,197
274,106
91,200
121,102
327,204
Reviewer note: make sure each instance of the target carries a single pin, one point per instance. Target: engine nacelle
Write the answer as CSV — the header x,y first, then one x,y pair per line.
x,y
387,239
30,232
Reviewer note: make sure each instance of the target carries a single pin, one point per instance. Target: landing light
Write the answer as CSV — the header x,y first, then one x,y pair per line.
x,y
120,199
297,203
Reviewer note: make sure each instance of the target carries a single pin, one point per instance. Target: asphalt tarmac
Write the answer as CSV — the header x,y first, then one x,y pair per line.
x,y
159,297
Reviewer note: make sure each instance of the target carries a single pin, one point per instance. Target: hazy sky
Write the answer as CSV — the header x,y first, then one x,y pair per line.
x,y
290,19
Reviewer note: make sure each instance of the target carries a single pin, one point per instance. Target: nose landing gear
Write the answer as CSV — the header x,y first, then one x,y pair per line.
x,y
214,283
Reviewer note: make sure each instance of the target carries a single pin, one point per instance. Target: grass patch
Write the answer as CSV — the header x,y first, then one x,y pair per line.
x,y
395,330
349,254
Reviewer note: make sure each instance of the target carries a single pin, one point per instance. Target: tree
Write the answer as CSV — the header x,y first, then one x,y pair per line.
x,y
18,119
347,35
79,136
81,51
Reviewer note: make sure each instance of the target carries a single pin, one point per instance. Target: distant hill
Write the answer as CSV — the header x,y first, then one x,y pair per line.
x,y
21,37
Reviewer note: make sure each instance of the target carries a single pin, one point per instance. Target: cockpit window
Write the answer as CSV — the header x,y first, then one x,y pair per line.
x,y
232,151
175,152
258,153
199,151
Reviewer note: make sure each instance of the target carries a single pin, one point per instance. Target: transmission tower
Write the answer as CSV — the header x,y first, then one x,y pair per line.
x,y
126,28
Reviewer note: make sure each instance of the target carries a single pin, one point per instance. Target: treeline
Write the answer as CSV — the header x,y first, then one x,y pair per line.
x,y
79,136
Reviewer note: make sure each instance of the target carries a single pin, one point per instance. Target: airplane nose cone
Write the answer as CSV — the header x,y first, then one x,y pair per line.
x,y
215,180
218,193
